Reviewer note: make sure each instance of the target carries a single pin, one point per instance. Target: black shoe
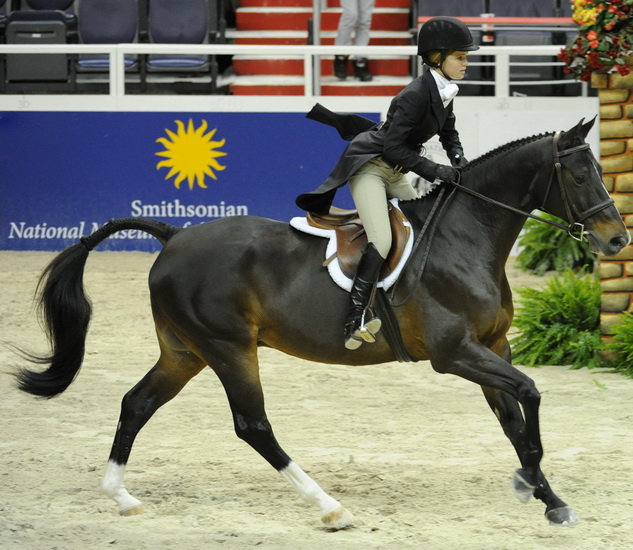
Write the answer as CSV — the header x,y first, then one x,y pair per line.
x,y
340,67
361,69
361,325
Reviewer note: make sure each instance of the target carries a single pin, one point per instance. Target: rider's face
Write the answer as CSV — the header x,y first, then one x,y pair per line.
x,y
455,64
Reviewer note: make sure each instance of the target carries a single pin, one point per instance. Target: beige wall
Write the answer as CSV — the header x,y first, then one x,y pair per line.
x,y
616,157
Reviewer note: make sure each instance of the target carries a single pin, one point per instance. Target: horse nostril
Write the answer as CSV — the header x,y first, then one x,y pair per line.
x,y
619,242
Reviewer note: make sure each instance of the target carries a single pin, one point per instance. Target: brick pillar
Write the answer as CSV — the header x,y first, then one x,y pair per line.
x,y
616,156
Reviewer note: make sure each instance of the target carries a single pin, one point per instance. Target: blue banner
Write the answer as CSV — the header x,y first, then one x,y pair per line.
x,y
64,174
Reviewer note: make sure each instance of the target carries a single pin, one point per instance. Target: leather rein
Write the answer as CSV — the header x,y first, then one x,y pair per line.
x,y
575,226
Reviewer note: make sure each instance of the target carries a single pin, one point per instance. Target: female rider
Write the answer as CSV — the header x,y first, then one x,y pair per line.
x,y
379,155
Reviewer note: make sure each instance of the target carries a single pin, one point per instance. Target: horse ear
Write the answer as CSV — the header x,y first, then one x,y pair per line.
x,y
587,127
578,133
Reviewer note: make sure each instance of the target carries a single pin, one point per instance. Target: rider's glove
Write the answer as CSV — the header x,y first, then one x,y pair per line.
x,y
446,173
458,160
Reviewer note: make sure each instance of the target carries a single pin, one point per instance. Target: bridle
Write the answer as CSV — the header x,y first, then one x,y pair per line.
x,y
575,227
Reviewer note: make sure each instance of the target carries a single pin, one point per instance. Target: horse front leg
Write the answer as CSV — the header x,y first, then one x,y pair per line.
x,y
473,361
508,412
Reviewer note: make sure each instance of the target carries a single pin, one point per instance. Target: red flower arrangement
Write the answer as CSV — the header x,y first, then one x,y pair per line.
x,y
604,39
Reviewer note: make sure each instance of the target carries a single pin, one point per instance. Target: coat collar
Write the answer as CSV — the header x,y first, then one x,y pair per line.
x,y
437,106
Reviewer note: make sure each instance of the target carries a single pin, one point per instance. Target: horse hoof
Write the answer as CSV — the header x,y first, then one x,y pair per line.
x,y
522,489
564,516
338,519
133,511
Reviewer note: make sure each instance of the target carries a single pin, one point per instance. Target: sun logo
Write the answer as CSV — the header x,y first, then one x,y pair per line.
x,y
191,154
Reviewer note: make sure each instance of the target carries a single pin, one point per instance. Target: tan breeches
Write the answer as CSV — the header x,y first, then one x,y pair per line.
x,y
371,186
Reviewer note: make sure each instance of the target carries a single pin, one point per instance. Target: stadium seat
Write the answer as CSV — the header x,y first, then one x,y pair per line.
x,y
64,6
540,70
178,22
3,24
523,8
106,22
564,8
36,27
3,18
61,5
453,8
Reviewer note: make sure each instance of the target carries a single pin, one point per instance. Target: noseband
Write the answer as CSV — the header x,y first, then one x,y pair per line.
x,y
575,227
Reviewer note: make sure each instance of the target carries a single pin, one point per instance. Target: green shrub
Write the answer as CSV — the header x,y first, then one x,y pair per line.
x,y
622,345
560,324
548,248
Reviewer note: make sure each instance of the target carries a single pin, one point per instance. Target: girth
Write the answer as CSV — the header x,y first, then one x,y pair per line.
x,y
351,238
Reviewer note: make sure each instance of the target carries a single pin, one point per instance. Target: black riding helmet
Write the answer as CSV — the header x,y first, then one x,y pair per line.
x,y
444,34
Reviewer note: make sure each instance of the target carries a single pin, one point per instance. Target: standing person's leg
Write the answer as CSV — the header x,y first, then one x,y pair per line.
x,y
361,38
363,22
347,23
346,26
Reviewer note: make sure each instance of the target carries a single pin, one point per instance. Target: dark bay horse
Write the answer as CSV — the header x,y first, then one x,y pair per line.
x,y
221,289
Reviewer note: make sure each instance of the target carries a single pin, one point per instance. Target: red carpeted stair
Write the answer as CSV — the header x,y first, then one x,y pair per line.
x,y
286,22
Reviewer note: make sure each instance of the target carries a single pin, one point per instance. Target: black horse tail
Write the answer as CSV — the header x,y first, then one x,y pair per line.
x,y
66,310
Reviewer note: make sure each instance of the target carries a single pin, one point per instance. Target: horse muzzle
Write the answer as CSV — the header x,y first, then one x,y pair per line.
x,y
608,240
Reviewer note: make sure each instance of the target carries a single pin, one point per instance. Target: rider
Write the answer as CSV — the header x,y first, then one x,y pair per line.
x,y
379,155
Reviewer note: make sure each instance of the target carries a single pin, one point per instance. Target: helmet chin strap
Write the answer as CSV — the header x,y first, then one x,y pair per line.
x,y
441,71
440,65
443,60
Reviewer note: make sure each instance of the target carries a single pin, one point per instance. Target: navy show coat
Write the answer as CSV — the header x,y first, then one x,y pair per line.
x,y
415,115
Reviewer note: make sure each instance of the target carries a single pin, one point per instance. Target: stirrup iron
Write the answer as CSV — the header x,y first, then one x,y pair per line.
x,y
368,331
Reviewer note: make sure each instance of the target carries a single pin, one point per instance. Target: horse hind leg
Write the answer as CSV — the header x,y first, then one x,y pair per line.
x,y
507,411
246,399
161,384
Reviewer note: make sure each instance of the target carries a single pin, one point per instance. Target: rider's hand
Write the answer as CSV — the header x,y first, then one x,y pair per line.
x,y
458,161
446,173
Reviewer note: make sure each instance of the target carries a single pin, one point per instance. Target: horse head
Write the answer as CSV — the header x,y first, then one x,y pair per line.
x,y
577,194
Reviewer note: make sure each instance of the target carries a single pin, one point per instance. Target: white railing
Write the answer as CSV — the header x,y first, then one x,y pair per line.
x,y
311,54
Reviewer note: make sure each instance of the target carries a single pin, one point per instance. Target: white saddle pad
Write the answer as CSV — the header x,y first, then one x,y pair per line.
x,y
334,268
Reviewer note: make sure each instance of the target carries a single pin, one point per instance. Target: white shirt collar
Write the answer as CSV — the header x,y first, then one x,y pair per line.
x,y
448,90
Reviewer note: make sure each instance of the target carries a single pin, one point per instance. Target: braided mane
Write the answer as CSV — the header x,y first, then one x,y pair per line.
x,y
505,148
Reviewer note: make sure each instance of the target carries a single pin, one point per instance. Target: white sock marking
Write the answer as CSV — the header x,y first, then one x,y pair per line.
x,y
112,485
308,489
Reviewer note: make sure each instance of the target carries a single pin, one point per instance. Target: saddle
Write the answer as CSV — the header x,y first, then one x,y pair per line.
x,y
351,238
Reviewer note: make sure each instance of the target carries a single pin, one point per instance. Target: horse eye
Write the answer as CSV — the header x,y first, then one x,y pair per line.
x,y
581,179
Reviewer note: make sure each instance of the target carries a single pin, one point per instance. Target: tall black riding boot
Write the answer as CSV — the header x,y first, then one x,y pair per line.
x,y
361,325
